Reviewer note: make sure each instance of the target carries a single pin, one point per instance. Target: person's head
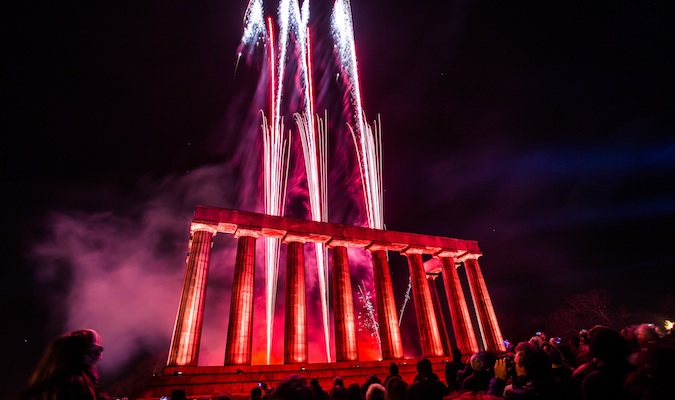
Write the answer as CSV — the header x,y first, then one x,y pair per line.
x,y
221,396
67,356
478,362
376,392
256,393
606,344
554,354
354,392
372,379
314,384
294,387
456,355
178,394
646,334
424,367
338,393
393,369
534,360
88,343
396,388
338,382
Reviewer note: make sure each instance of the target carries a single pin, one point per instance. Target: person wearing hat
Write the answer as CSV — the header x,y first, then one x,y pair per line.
x,y
479,380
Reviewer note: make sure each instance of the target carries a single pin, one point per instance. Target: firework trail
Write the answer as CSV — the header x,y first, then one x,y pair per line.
x,y
314,145
255,31
369,321
315,151
405,301
291,19
275,165
367,139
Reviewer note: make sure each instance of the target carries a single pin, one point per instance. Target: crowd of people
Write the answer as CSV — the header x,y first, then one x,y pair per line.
x,y
600,363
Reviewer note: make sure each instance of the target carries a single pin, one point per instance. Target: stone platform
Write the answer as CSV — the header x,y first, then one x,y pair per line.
x,y
201,382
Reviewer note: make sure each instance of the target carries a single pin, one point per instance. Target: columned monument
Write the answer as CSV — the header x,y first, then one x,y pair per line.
x,y
447,257
295,233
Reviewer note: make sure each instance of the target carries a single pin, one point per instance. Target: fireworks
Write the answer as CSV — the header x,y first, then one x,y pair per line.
x,y
367,319
367,139
293,28
405,301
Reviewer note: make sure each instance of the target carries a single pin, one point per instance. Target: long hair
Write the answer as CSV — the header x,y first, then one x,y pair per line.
x,y
62,371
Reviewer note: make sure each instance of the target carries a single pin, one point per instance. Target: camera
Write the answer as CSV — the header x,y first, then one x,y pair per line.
x,y
510,365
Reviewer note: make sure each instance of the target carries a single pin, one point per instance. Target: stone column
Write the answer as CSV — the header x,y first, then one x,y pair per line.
x,y
462,326
240,327
438,312
487,320
184,350
346,348
295,333
390,333
430,338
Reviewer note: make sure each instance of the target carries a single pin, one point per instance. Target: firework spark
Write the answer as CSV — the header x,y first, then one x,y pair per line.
x,y
368,318
405,301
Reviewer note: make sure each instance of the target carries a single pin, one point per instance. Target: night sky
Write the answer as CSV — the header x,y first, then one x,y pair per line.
x,y
543,130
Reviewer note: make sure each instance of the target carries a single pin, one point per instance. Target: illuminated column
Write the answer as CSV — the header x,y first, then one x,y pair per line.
x,y
390,333
438,312
184,350
487,320
295,333
346,348
240,328
462,326
426,321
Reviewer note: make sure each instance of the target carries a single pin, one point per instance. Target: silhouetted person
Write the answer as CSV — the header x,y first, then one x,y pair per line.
x,y
653,379
393,373
67,369
397,389
376,392
317,391
294,387
354,392
561,371
338,393
451,370
178,394
256,393
533,380
603,377
426,386
369,381
479,380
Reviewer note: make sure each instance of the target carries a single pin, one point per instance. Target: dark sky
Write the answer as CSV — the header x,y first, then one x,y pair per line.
x,y
543,130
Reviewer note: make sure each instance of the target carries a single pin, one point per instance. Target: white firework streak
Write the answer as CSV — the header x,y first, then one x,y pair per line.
x,y
405,301
315,152
275,165
254,28
254,23
370,322
369,154
367,140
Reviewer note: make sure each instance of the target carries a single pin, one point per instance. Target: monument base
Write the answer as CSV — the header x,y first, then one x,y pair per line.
x,y
202,382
